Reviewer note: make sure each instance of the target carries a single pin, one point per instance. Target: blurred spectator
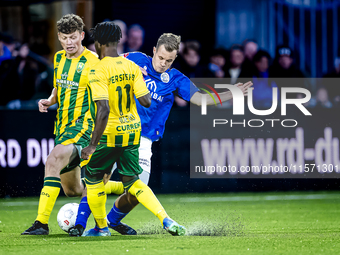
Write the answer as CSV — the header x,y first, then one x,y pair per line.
x,y
18,77
217,63
331,82
322,99
8,41
250,49
261,63
189,61
335,73
5,52
181,48
283,66
121,45
311,103
188,64
235,70
263,87
42,51
135,38
88,41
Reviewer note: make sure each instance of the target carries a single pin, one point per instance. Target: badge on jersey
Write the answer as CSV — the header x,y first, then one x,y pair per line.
x,y
165,77
80,67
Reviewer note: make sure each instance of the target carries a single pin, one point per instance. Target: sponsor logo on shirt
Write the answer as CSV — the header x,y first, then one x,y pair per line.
x,y
64,76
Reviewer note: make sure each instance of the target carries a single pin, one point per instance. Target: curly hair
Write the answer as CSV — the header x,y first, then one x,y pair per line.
x,y
70,23
170,41
106,33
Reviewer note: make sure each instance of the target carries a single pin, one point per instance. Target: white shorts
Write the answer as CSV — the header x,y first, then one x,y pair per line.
x,y
145,154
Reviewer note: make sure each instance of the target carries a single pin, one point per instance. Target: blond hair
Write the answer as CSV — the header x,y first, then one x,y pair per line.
x,y
170,41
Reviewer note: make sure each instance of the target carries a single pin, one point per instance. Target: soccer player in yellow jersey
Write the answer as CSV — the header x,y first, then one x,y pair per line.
x,y
73,125
114,82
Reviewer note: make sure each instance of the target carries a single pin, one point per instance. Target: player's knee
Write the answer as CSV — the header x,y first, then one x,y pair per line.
x,y
50,167
84,193
106,178
55,155
132,199
72,193
50,160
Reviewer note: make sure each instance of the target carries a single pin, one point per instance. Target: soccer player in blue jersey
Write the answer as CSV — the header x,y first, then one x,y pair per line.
x,y
163,82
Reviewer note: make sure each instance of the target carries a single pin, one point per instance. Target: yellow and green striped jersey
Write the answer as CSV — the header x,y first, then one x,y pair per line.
x,y
118,80
71,82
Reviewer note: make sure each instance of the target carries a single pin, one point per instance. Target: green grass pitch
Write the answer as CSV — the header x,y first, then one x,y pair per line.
x,y
240,223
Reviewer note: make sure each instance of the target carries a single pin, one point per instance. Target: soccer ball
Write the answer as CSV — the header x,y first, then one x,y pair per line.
x,y
67,216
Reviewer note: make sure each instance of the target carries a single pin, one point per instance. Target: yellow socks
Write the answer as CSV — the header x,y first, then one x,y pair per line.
x,y
96,198
48,196
147,198
112,187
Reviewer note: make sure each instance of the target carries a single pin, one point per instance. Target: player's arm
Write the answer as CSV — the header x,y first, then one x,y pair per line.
x,y
103,111
99,85
140,90
225,96
53,99
145,100
45,103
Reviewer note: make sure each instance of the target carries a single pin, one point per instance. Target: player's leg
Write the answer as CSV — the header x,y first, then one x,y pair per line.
x,y
97,199
58,159
116,215
72,183
146,197
129,170
143,157
113,187
145,153
125,206
100,164
84,211
121,207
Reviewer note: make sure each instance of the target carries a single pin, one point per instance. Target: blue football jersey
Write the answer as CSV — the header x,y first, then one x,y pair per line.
x,y
162,87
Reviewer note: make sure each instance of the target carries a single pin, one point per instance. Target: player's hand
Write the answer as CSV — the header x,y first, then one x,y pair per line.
x,y
43,105
144,72
87,151
244,87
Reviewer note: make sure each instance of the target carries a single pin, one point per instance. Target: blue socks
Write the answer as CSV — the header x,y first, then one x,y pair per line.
x,y
84,212
115,216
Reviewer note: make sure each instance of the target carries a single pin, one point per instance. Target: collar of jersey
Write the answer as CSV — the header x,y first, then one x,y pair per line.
x,y
82,54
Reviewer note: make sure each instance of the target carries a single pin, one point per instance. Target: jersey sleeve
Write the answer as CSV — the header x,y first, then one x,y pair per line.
x,y
99,84
54,71
134,56
186,88
139,86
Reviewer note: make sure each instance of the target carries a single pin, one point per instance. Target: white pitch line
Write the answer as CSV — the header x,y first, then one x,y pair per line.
x,y
210,199
28,203
255,198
